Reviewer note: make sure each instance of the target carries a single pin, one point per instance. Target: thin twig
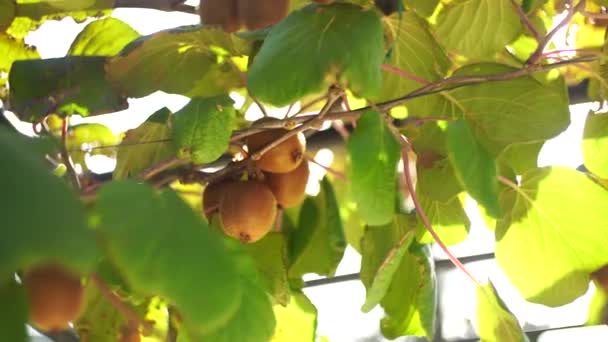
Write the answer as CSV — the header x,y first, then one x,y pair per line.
x,y
117,303
422,215
339,127
315,120
160,5
542,44
311,103
260,105
334,172
65,155
526,21
404,74
159,167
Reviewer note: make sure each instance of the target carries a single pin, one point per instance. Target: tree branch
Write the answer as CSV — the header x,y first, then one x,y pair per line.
x,y
547,39
160,5
65,155
526,21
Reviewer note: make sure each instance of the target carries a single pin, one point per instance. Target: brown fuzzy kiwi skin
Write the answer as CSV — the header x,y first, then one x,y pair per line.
x,y
258,14
212,196
223,13
284,157
55,297
289,188
247,211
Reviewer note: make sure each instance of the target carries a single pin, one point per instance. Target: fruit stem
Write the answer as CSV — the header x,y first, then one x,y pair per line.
x,y
422,215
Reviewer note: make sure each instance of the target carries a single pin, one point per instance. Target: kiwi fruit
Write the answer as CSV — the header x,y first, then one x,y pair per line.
x,y
289,188
55,296
284,157
258,14
247,211
221,13
212,195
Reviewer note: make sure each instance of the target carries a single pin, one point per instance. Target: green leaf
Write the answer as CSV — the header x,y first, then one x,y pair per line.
x,y
254,321
552,234
335,43
103,37
438,180
598,308
202,129
521,110
382,249
374,154
7,13
189,60
13,315
37,9
477,28
595,144
297,322
413,49
42,219
474,166
521,157
448,219
163,248
145,145
317,244
411,300
65,86
11,50
495,323
270,257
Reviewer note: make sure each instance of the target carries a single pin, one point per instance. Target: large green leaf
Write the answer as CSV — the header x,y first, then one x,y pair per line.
x,y
521,110
477,28
448,219
7,13
103,37
162,247
414,50
42,219
37,9
65,86
423,7
297,322
270,257
317,244
495,323
339,42
382,249
254,321
13,315
202,129
189,60
12,49
521,157
436,179
145,145
553,233
411,300
595,144
374,153
474,166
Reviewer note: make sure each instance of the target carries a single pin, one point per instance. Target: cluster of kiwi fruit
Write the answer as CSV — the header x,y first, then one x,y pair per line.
x,y
247,209
230,15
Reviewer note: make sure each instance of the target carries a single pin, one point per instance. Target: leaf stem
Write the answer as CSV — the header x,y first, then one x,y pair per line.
x,y
526,21
158,168
334,172
422,215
